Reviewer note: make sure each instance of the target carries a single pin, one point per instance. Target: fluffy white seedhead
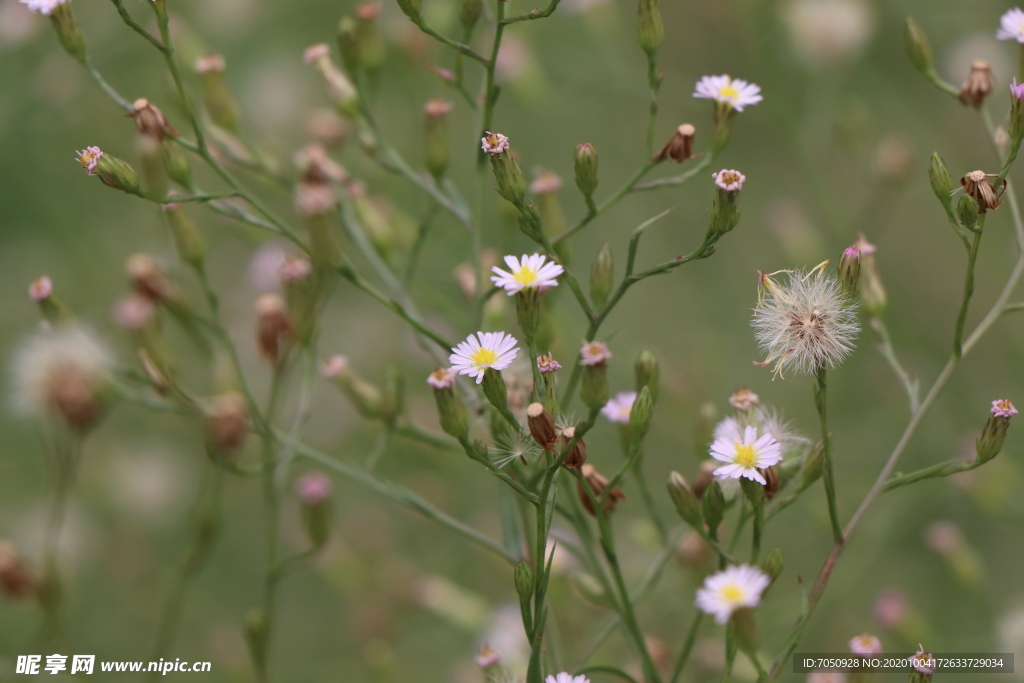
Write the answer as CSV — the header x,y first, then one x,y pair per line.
x,y
51,357
806,323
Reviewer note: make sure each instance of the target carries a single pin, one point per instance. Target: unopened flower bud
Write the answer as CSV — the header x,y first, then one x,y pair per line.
x,y
371,47
68,31
849,270
16,578
772,564
586,169
542,426
188,239
679,147
220,105
990,443
454,420
597,483
810,470
578,455
507,174
523,576
314,491
713,505
744,628
595,390
918,48
176,164
978,84
339,88
725,212
150,121
51,307
640,416
942,182
226,423
650,30
744,399
394,395
494,389
687,503
548,366
435,139
114,172
872,293
412,9
602,273
967,212
348,44
147,278
923,665
366,398
487,657
753,491
275,329
648,373
469,13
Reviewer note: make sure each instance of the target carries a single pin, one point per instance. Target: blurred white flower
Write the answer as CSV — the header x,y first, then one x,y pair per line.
x,y
43,6
828,32
1011,25
733,588
734,92
16,23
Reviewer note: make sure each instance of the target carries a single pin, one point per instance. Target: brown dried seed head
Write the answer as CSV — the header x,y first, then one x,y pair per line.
x,y
150,121
578,455
976,185
978,84
542,426
704,478
148,279
598,483
226,422
74,394
679,147
274,326
771,476
16,579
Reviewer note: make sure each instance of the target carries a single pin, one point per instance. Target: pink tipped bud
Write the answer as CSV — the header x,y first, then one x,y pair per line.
x,y
744,399
334,367
133,312
487,657
41,289
314,488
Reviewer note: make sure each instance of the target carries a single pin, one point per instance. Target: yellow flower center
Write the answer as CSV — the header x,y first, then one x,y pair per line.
x,y
745,455
525,276
732,593
729,92
484,357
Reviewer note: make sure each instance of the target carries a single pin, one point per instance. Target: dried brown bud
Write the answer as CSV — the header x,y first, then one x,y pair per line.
x,y
978,84
150,121
274,326
771,477
74,394
704,478
148,279
679,147
226,422
542,426
976,185
598,484
578,455
16,579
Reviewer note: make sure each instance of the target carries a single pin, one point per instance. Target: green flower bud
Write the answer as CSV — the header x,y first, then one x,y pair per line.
x,y
650,30
942,182
68,31
112,171
725,211
713,505
967,211
187,237
810,472
339,88
744,626
524,580
772,565
595,391
586,169
314,491
373,220
154,173
176,164
1016,124
348,44
918,49
753,491
53,310
872,293
220,105
602,272
393,395
528,312
435,140
849,270
494,389
507,174
469,13
371,47
454,419
640,416
366,398
648,373
687,504
990,443
412,9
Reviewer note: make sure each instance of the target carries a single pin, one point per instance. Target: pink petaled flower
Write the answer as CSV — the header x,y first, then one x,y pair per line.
x,y
1011,26
41,289
314,53
594,353
744,399
923,662
313,488
734,92
729,180
47,6
1003,408
618,407
210,63
442,378
547,182
865,247
547,363
494,143
865,644
333,367
1017,90
89,157
133,312
295,269
487,657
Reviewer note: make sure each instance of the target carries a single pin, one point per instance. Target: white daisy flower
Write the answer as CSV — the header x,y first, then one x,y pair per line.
x,y
566,678
483,350
806,324
736,93
619,406
731,589
1011,25
745,453
530,271
47,6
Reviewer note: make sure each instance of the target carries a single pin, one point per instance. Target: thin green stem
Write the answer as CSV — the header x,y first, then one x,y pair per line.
x,y
535,14
885,347
684,654
961,319
821,403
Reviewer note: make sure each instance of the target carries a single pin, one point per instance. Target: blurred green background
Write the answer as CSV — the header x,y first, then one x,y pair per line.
x,y
839,146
